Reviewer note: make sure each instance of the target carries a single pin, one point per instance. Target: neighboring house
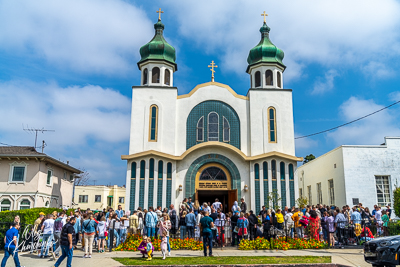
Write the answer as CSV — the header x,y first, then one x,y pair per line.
x,y
29,179
212,142
349,175
99,197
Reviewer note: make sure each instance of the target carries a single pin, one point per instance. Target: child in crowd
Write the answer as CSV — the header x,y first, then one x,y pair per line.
x,y
164,246
149,248
143,247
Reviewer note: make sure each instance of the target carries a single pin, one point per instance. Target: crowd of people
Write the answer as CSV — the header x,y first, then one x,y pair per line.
x,y
60,233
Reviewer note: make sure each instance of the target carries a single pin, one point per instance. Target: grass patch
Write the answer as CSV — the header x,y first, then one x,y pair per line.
x,y
223,260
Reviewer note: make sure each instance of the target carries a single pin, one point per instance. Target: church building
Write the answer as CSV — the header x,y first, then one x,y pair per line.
x,y
212,142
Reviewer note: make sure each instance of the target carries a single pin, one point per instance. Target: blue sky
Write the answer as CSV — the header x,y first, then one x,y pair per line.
x,y
70,65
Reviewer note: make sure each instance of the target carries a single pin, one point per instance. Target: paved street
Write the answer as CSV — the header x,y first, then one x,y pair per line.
x,y
350,257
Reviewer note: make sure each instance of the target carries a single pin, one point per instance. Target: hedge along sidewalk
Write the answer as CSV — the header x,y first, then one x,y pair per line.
x,y
226,260
27,216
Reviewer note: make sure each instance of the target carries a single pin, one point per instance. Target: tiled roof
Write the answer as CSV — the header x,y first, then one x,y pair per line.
x,y
19,150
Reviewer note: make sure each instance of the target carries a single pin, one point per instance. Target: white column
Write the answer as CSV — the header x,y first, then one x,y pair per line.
x,y
287,184
164,194
155,183
261,184
128,187
269,178
146,185
252,188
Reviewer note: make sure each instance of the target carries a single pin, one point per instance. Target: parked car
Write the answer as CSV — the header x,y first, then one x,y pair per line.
x,y
383,251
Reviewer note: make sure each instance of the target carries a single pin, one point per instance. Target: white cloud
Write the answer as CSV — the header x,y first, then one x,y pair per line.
x,y
322,86
395,96
91,123
329,33
304,143
368,131
377,70
92,36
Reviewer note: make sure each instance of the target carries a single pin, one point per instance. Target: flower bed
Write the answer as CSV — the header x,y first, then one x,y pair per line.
x,y
281,244
132,243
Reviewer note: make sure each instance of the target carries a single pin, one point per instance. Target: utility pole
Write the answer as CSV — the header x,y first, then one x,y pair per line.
x,y
36,132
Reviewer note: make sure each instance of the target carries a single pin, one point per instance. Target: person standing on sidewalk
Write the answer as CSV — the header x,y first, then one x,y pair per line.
x,y
47,228
58,225
11,245
89,230
243,205
67,240
190,220
207,223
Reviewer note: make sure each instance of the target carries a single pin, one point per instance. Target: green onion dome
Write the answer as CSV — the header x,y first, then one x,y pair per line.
x,y
158,48
265,51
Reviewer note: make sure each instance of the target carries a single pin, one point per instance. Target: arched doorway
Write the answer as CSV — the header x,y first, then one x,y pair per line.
x,y
213,181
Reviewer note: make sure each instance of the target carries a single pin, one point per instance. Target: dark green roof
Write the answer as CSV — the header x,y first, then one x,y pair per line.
x,y
265,51
158,48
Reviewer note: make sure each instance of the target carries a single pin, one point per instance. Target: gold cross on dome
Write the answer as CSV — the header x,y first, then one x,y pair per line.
x,y
159,13
212,66
264,14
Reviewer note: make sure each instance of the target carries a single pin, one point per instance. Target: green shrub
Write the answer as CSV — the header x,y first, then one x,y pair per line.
x,y
27,216
396,201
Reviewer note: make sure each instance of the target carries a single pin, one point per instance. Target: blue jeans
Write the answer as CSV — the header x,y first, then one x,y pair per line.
x,y
116,236
183,231
168,245
10,252
151,231
122,235
47,238
207,239
190,230
66,253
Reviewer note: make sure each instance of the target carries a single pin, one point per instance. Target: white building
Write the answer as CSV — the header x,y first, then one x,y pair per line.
x,y
29,179
99,197
211,142
349,175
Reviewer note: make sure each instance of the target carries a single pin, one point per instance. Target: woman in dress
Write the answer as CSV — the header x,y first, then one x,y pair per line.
x,y
228,227
314,225
242,223
330,221
165,225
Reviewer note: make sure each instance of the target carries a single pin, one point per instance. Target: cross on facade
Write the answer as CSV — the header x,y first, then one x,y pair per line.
x,y
212,66
159,13
263,14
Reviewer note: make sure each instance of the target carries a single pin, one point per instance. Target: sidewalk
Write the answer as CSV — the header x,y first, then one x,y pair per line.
x,y
350,257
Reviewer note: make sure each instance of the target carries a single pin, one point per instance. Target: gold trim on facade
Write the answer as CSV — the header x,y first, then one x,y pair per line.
x,y
207,145
211,184
156,129
216,84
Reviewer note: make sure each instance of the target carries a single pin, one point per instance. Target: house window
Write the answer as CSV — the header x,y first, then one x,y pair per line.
x,y
279,79
331,192
151,168
272,124
65,176
142,168
213,126
309,195
319,193
25,204
153,123
227,130
121,200
145,75
155,75
200,130
5,204
97,198
269,78
49,177
18,174
83,199
273,169
382,190
167,77
71,177
257,77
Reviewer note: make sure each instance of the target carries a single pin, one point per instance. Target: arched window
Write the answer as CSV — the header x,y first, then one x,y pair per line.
x,y
291,185
25,204
272,125
142,168
160,183
200,130
269,78
257,185
169,170
169,183
227,130
153,123
257,78
167,77
5,204
273,169
151,168
160,169
133,170
155,75
257,171
283,184
282,169
133,186
213,127
46,204
279,77
145,76
266,187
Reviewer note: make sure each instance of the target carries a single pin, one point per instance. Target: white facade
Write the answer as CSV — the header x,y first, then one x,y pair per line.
x,y
180,134
359,174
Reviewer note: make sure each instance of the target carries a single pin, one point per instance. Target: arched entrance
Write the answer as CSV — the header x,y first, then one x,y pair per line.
x,y
206,176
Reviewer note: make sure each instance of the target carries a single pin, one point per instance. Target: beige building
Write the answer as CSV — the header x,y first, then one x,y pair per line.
x,y
99,197
29,179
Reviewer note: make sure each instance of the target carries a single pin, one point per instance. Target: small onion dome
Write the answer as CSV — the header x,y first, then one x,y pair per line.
x,y
265,51
158,48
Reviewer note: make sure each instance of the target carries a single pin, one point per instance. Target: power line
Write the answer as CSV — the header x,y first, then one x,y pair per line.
x,y
300,137
5,144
